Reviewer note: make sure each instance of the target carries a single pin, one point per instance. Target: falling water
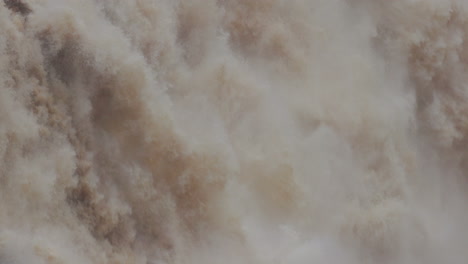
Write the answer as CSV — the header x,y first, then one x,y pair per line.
x,y
233,131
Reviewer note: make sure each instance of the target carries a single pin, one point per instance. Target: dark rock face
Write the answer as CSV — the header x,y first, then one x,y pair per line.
x,y
17,6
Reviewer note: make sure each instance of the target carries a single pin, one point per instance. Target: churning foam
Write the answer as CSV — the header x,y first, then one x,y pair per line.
x,y
233,131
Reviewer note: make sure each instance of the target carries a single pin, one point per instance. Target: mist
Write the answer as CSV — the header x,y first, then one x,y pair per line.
x,y
233,131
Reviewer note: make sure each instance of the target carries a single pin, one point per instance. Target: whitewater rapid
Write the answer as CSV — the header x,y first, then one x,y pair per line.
x,y
233,131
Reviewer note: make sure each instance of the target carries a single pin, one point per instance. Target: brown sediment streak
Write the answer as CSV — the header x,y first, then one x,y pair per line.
x,y
216,131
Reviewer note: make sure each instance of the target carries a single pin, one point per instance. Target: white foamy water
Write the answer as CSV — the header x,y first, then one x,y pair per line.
x,y
233,131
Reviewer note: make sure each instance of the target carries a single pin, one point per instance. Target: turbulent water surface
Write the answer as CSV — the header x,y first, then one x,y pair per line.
x,y
233,131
